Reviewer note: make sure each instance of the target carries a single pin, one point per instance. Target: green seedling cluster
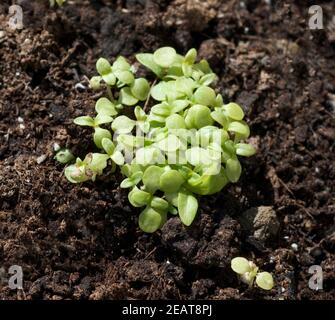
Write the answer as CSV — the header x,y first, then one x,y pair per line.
x,y
248,273
184,139
54,2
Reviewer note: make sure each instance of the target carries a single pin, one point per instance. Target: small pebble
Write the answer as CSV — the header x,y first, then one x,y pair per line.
x,y
79,86
20,120
56,147
41,158
294,247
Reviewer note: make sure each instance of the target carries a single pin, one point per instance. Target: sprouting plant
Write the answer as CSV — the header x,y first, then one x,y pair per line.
x,y
59,2
64,156
172,135
248,273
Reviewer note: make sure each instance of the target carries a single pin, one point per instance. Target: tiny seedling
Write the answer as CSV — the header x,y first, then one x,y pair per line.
x,y
248,273
181,142
54,2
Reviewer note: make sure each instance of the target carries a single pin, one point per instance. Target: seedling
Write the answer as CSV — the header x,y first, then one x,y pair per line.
x,y
248,273
64,156
59,2
185,145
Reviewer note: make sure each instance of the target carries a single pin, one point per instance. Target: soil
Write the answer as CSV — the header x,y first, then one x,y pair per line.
x,y
82,241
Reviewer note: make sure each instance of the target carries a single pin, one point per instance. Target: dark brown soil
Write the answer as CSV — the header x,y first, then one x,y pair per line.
x,y
82,241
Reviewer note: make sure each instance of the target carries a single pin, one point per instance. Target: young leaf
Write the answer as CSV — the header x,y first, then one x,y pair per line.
x,y
205,96
244,149
138,198
233,170
108,146
105,107
147,59
187,207
100,134
151,178
140,89
191,56
125,76
265,280
234,111
159,204
84,121
171,181
165,56
151,220
240,265
102,119
126,97
123,124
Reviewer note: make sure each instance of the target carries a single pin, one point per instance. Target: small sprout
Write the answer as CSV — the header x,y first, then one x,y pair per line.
x,y
185,146
59,2
64,156
248,273
265,280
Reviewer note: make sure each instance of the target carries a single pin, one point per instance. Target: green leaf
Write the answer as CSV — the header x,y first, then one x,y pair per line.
x,y
64,156
191,56
100,134
172,198
151,220
159,204
205,96
139,198
103,66
76,174
102,119
187,207
84,121
109,78
185,85
198,116
240,265
124,76
96,162
233,170
106,107
133,180
187,69
207,79
171,181
151,178
179,105
121,64
165,56
123,124
147,60
175,121
126,97
265,280
245,149
95,82
162,109
108,146
118,158
140,89
160,91
239,127
234,111
219,117
140,114
131,141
